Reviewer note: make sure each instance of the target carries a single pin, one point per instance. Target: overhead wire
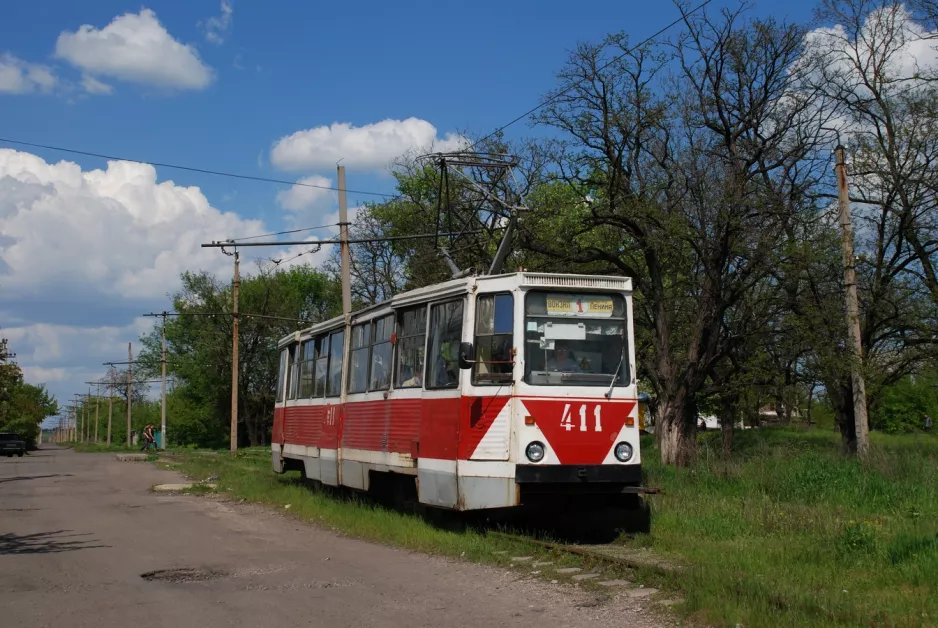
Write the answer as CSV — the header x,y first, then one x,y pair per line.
x,y
218,173
615,59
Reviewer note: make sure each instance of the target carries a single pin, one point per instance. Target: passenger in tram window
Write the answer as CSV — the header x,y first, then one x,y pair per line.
x,y
414,382
563,360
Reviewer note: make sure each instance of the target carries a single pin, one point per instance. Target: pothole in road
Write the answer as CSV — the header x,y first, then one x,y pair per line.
x,y
184,574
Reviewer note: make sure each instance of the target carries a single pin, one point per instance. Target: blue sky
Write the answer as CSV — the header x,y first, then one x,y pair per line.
x,y
83,254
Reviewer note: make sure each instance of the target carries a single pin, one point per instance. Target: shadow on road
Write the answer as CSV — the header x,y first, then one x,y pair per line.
x,y
23,478
47,542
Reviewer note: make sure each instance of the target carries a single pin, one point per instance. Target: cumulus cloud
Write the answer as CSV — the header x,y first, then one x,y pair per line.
x,y
83,253
889,40
135,47
94,86
64,357
368,147
303,197
21,77
117,232
217,27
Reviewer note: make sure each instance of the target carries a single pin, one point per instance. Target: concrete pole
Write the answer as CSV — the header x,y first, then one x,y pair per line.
x,y
853,309
235,289
163,396
97,415
130,384
110,409
88,418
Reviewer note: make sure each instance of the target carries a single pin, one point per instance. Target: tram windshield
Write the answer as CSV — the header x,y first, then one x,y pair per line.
x,y
575,339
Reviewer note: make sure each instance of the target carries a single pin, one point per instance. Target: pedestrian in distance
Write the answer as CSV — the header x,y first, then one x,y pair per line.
x,y
148,437
927,423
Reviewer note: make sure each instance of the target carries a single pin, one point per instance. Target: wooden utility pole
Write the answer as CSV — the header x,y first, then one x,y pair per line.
x,y
130,383
344,247
235,288
163,395
110,408
853,309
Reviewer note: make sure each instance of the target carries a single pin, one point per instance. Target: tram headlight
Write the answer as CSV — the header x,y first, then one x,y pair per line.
x,y
535,451
623,452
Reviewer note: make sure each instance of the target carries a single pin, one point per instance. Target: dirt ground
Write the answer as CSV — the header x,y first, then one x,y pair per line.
x,y
83,542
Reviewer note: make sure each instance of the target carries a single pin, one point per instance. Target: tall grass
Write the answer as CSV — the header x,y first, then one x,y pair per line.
x,y
789,532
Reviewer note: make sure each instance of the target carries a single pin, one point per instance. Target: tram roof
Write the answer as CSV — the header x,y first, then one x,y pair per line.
x,y
454,287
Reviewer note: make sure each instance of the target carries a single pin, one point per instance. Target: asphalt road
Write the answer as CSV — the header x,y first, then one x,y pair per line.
x,y
78,531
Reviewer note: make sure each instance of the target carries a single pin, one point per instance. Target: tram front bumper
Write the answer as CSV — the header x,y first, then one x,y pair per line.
x,y
576,474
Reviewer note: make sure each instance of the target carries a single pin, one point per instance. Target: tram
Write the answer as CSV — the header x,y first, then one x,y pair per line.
x,y
483,392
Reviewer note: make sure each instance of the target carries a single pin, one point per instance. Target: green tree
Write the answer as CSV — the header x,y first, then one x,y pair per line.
x,y
273,302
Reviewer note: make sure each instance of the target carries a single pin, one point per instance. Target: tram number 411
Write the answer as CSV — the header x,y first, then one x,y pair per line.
x,y
566,421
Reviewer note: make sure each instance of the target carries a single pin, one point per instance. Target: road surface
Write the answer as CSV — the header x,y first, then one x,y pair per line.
x,y
78,531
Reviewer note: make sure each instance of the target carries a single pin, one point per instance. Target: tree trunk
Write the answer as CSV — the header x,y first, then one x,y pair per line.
x,y
728,407
676,428
810,402
841,397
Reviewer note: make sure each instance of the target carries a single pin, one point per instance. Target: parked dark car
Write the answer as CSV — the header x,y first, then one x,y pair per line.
x,y
11,443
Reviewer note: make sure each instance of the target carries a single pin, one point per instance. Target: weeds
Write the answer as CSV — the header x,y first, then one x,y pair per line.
x,y
790,532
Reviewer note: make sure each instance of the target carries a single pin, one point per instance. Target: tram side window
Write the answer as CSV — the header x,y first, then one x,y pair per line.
x,y
307,364
493,339
410,347
358,367
322,366
291,373
380,373
445,336
284,361
336,350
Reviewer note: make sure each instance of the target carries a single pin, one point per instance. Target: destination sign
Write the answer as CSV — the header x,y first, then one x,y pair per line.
x,y
593,306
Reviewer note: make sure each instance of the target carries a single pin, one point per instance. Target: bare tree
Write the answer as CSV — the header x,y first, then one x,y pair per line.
x,y
690,192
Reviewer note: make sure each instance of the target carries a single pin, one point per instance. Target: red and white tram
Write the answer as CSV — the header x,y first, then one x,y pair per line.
x,y
479,393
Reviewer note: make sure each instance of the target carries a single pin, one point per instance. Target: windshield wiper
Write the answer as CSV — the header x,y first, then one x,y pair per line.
x,y
612,384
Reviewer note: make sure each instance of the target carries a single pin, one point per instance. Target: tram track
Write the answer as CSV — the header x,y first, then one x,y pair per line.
x,y
611,553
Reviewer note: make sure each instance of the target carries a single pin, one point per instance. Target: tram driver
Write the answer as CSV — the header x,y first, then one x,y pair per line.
x,y
562,360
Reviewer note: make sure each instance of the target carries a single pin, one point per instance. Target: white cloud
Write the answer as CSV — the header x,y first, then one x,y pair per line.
x,y
116,232
303,197
21,77
65,357
135,48
890,40
94,86
216,28
369,147
40,375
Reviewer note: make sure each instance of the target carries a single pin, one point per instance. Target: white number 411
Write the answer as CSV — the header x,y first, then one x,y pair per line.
x,y
566,421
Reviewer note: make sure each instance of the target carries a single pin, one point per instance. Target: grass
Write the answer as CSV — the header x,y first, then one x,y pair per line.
x,y
789,532
101,447
248,476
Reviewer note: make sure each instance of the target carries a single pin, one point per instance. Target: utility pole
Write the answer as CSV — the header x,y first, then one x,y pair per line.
x,y
235,288
76,431
88,419
853,309
163,394
110,407
97,414
130,383
346,286
346,255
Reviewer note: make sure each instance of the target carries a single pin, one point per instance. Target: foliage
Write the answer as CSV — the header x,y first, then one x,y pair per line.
x,y
789,532
23,406
273,302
